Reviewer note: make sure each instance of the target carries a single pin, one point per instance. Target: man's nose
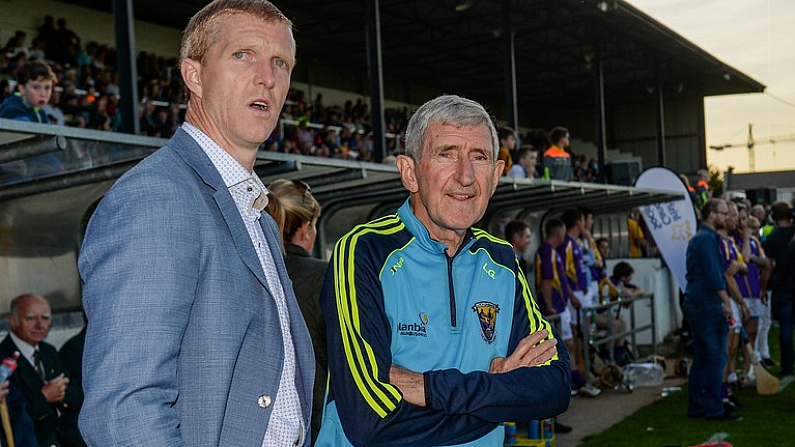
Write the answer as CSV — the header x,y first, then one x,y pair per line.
x,y
265,74
465,171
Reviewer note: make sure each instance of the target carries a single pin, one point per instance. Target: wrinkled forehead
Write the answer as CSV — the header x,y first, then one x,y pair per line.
x,y
34,306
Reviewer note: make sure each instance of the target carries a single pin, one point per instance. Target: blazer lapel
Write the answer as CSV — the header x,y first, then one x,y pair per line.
x,y
240,234
195,157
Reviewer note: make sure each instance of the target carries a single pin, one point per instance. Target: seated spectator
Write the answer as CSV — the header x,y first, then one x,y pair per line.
x,y
608,290
34,88
304,133
148,121
507,137
40,376
525,162
53,112
16,45
622,278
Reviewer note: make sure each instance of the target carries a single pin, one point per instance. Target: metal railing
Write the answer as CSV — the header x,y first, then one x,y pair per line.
x,y
614,311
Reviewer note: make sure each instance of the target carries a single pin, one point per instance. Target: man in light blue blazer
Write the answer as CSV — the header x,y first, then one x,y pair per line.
x,y
194,335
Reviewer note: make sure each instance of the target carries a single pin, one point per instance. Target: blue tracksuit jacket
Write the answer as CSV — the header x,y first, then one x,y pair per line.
x,y
392,295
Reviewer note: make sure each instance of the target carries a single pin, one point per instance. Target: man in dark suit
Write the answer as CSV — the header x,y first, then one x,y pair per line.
x,y
39,375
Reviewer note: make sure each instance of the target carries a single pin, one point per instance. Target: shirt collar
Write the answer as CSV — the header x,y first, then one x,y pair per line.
x,y
25,349
232,172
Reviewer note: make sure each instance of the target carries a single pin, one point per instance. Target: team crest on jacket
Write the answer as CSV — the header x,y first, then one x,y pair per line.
x,y
487,315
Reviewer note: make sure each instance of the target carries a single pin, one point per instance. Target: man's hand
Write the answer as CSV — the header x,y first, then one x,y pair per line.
x,y
533,350
4,389
732,269
55,389
727,309
411,384
746,312
763,296
575,302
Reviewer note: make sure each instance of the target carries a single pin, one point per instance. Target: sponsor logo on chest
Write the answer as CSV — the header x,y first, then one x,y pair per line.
x,y
414,329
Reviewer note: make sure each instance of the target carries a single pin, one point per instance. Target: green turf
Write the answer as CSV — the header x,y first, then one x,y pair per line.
x,y
766,421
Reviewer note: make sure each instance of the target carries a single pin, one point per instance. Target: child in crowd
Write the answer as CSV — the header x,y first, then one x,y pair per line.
x,y
34,88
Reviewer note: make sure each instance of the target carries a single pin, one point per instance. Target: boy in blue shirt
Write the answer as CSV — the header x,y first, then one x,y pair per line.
x,y
34,88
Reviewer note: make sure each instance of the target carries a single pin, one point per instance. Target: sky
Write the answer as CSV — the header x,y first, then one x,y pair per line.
x,y
756,37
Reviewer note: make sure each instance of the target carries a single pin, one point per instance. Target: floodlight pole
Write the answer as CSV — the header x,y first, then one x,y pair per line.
x,y
660,120
128,83
511,106
601,126
375,68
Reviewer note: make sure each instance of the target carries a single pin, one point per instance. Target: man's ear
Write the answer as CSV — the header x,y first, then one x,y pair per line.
x,y
191,74
408,172
499,168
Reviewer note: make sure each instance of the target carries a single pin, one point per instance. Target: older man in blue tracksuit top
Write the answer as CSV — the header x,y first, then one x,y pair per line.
x,y
434,337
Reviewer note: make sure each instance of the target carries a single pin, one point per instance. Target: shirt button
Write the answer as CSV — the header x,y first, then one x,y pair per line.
x,y
264,401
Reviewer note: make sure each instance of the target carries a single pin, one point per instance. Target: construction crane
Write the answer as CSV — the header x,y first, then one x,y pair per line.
x,y
750,143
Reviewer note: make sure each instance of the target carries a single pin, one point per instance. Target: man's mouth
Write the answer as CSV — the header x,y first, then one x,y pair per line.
x,y
461,196
259,105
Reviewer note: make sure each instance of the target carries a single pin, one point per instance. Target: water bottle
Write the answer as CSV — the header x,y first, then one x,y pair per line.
x,y
533,430
510,433
604,294
548,428
630,376
8,366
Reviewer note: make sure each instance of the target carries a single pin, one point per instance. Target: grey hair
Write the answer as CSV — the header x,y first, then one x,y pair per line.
x,y
447,110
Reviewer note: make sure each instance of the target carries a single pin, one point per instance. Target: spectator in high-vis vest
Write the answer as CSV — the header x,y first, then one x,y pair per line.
x,y
556,163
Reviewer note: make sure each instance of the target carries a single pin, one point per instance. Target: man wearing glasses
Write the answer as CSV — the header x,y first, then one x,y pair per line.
x,y
708,308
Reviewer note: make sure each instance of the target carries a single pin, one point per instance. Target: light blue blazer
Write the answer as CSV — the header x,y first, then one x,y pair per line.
x,y
184,345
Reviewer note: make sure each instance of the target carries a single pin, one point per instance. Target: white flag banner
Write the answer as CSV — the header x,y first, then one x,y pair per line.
x,y
672,224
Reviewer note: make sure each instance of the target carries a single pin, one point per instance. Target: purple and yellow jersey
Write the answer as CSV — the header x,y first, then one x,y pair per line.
x,y
730,252
754,275
574,263
549,266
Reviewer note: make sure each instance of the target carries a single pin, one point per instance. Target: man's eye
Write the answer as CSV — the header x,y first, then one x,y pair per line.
x,y
481,158
447,156
240,55
280,63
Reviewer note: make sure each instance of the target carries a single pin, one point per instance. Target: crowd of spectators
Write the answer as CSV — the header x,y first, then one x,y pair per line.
x,y
86,95
87,88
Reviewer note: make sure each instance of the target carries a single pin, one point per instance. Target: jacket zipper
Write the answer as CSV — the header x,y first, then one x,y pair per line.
x,y
453,318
